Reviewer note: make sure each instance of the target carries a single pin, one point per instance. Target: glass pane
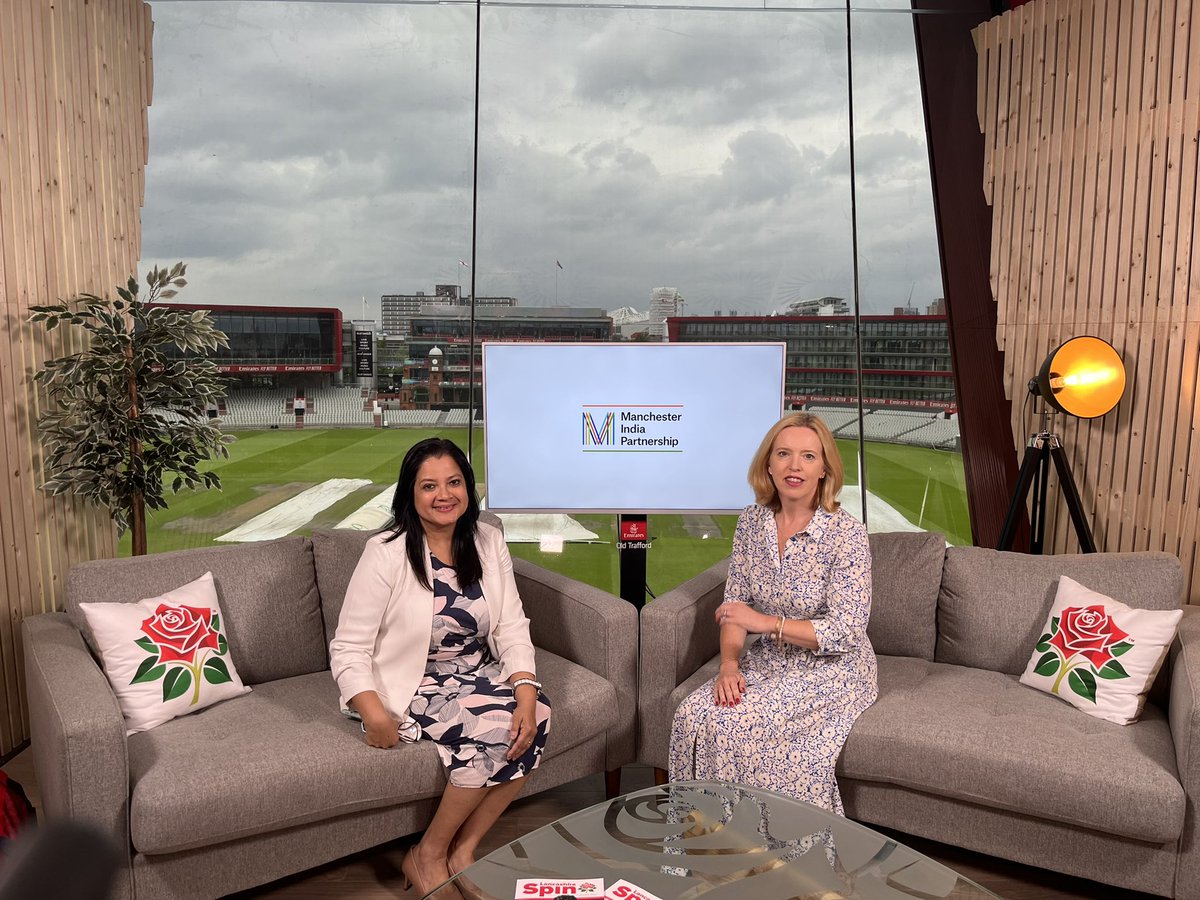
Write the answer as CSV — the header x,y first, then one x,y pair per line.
x,y
684,5
910,423
311,156
665,165
683,161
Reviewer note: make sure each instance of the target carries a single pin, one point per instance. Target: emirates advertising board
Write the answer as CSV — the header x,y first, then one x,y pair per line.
x,y
611,428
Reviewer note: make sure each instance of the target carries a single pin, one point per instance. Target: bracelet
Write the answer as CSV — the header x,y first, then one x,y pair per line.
x,y
779,630
520,681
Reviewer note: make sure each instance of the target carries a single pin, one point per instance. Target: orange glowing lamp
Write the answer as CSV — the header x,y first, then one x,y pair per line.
x,y
1084,377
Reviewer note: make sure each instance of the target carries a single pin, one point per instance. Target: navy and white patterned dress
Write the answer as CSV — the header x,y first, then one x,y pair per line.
x,y
462,704
788,730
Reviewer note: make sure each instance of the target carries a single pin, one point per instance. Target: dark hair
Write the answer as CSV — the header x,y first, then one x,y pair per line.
x,y
406,521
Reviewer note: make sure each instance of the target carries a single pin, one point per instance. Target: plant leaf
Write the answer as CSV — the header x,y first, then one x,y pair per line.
x,y
1047,665
1083,683
148,671
176,683
216,672
1113,669
148,645
1121,649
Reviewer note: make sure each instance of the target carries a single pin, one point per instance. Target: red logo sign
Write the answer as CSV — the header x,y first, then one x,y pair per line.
x,y
633,531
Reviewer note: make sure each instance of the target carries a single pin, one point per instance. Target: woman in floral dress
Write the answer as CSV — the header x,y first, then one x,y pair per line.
x,y
800,578
432,643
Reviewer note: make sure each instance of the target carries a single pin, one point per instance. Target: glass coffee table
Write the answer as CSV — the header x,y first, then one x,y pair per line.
x,y
721,841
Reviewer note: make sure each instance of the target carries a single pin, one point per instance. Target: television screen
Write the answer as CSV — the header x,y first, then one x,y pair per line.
x,y
626,427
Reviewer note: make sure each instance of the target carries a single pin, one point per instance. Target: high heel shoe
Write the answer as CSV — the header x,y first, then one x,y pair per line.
x,y
413,880
412,875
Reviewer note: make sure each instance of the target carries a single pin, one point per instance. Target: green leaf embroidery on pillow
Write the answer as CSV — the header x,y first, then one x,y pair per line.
x,y
176,683
1113,669
1043,643
148,671
216,622
215,672
148,645
1121,648
1047,665
1083,683
222,645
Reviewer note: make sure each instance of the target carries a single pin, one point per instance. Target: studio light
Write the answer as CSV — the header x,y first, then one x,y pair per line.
x,y
1085,378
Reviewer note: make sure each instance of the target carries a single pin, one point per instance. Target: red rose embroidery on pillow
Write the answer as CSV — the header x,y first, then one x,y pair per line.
x,y
180,640
1083,644
179,631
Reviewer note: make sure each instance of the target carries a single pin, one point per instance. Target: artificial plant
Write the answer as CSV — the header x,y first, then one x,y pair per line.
x,y
123,418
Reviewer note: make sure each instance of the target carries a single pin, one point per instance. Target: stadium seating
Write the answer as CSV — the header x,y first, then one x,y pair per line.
x,y
337,406
892,426
257,408
423,418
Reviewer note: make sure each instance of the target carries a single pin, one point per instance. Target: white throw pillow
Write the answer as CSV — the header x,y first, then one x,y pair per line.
x,y
166,656
1098,654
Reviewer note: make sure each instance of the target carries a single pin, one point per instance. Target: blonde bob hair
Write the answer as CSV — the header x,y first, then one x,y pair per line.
x,y
831,483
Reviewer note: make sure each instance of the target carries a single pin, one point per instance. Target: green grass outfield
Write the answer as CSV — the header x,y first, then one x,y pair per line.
x,y
267,467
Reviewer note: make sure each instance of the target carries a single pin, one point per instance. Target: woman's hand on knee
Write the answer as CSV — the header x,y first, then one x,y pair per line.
x,y
523,730
729,686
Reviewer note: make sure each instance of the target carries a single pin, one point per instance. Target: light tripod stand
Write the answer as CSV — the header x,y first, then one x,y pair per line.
x,y
1084,377
1035,471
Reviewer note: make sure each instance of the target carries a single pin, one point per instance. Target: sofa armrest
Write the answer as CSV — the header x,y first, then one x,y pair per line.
x,y
679,634
591,628
1183,713
76,728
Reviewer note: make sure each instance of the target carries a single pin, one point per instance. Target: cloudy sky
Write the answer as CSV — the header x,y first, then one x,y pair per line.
x,y
318,153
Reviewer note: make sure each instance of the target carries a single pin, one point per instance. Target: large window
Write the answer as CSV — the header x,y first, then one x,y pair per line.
x,y
627,171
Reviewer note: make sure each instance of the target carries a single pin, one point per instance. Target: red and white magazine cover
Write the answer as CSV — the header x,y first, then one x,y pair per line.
x,y
626,890
553,888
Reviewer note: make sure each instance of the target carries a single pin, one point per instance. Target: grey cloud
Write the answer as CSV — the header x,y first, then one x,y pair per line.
x,y
891,158
762,167
717,68
316,153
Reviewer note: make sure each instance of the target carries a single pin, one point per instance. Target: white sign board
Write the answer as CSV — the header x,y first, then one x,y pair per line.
x,y
626,427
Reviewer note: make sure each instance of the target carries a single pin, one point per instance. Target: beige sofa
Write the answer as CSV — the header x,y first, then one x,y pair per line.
x,y
276,781
956,749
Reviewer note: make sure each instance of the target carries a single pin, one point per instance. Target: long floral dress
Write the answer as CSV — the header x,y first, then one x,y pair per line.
x,y
462,704
788,730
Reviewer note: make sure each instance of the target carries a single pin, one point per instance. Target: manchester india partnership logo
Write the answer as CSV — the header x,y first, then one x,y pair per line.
x,y
602,436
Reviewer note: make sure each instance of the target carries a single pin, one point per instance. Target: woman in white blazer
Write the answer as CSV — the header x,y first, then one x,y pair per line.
x,y
432,644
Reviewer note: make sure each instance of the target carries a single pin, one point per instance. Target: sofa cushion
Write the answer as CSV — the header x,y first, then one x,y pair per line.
x,y
993,604
336,552
291,757
268,592
980,736
165,656
1098,654
906,571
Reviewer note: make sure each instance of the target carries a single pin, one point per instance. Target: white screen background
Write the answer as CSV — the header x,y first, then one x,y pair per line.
x,y
535,395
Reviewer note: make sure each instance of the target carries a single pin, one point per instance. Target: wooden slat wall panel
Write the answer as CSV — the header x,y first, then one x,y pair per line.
x,y
1091,121
74,87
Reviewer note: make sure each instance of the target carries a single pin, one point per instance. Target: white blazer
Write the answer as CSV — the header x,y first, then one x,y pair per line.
x,y
383,633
